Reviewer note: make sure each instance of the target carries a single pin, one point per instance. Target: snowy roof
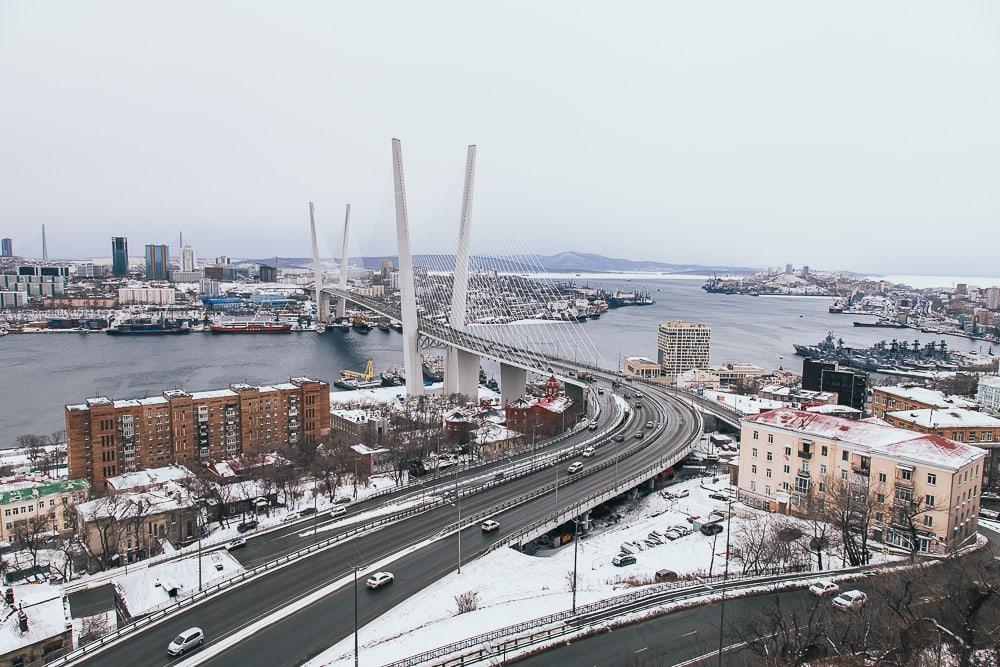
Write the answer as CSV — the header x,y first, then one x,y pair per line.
x,y
927,396
47,611
171,496
874,437
746,405
990,381
144,479
363,449
947,418
357,415
13,492
215,393
833,409
146,589
495,433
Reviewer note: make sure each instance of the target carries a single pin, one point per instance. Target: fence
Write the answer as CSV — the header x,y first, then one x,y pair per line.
x,y
605,609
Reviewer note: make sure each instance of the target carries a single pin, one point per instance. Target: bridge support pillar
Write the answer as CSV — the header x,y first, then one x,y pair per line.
x,y
512,381
579,396
407,292
461,374
462,370
342,302
322,301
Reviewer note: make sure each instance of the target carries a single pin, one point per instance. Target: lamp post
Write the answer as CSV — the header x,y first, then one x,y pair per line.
x,y
355,568
197,522
725,577
576,548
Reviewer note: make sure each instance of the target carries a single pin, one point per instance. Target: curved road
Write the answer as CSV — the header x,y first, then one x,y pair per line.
x,y
298,637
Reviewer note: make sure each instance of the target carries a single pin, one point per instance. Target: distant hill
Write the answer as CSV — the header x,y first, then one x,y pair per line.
x,y
564,262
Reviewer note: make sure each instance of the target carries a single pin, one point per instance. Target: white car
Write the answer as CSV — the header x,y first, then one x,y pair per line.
x,y
379,579
850,600
824,587
185,641
238,543
588,452
574,468
649,424
490,526
338,510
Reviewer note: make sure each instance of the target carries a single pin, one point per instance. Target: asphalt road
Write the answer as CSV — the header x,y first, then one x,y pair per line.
x,y
302,635
266,546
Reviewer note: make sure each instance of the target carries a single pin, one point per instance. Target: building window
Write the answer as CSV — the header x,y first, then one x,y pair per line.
x,y
931,478
929,500
786,470
755,452
822,468
845,456
822,487
882,478
843,474
753,469
753,486
755,435
770,437
770,456
928,520
767,473
905,475
824,450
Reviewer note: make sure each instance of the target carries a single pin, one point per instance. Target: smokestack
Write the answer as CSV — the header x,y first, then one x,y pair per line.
x,y
22,620
45,247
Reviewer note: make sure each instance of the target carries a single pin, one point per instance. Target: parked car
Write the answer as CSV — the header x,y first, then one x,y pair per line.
x,y
379,579
639,435
574,468
666,575
593,426
718,496
600,390
185,641
850,600
497,476
238,543
342,500
619,438
638,395
245,526
990,496
672,535
588,452
338,510
683,530
307,511
824,587
649,424
621,560
683,493
638,405
490,526
711,528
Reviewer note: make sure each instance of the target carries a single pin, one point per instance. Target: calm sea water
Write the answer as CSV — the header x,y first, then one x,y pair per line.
x,y
41,373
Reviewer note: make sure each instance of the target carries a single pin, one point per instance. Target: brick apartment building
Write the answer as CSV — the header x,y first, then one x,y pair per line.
x,y
908,397
108,437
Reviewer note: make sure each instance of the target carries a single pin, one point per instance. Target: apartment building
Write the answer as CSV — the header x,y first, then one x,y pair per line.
x,y
681,346
788,457
969,426
41,505
988,394
108,437
911,397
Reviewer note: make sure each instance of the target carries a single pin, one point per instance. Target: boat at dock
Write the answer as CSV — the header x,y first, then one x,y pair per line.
x,y
882,324
250,327
150,328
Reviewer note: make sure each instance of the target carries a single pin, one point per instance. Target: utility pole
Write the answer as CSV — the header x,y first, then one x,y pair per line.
x,y
725,576
576,548
355,615
198,526
458,503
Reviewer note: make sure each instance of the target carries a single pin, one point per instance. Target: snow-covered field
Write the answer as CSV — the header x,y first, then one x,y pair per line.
x,y
533,586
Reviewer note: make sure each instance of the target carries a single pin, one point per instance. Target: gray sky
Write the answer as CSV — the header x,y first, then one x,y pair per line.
x,y
858,135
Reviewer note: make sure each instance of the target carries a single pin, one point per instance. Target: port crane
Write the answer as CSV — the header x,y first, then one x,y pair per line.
x,y
367,375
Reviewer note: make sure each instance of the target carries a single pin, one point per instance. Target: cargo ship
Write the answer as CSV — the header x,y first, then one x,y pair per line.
x,y
250,327
150,328
882,324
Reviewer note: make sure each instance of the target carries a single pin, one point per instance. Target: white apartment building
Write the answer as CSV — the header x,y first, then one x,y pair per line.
x,y
146,295
682,346
988,395
788,455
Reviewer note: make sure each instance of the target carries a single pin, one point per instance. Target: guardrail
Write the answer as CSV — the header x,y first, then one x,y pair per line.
x,y
606,608
175,606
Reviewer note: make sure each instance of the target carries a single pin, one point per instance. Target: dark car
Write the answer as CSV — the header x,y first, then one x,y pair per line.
x,y
718,496
246,525
306,511
619,438
666,575
711,528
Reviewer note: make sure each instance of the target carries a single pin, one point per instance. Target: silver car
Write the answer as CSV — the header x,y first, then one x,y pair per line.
x,y
185,641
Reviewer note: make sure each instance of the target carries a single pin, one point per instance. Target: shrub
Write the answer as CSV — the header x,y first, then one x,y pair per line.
x,y
467,601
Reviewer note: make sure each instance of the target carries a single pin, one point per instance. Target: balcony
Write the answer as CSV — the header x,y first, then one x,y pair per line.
x,y
805,454
903,483
861,469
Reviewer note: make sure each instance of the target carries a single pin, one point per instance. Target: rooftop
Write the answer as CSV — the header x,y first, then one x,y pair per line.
x,y
148,478
47,612
874,437
927,396
948,418
145,590
171,496
16,491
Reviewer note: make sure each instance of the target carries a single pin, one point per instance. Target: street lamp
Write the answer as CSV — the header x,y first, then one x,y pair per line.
x,y
725,577
355,568
576,547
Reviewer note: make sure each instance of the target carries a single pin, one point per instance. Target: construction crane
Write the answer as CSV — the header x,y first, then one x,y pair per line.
x,y
367,376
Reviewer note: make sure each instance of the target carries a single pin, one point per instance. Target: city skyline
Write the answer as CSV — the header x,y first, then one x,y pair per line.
x,y
727,134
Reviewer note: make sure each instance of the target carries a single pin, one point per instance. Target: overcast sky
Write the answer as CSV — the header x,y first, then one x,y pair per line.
x,y
856,135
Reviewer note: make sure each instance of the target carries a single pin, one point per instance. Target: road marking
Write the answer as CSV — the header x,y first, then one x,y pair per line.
x,y
645,648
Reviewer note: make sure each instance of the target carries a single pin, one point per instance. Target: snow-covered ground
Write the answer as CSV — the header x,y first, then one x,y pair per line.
x,y
533,586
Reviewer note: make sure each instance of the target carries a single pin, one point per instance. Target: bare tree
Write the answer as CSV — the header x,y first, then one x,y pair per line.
x,y
33,446
31,535
852,509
